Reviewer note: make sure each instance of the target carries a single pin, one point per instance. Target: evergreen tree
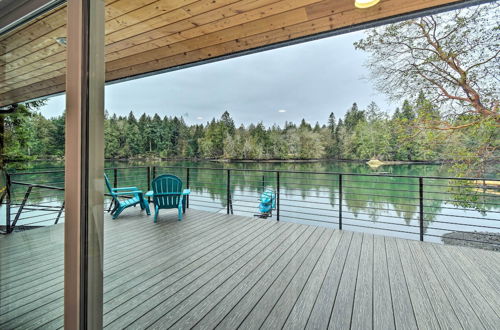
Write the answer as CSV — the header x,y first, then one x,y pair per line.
x,y
407,111
331,123
57,136
359,135
353,117
304,125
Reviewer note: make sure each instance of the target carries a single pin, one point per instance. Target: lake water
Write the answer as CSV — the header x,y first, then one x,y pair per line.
x,y
382,204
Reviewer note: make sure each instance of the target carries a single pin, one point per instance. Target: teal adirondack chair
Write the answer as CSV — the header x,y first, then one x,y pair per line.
x,y
120,205
168,194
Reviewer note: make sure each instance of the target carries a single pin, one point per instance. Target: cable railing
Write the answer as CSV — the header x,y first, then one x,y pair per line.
x,y
438,209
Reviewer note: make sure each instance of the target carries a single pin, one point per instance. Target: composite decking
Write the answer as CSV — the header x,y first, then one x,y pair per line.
x,y
218,271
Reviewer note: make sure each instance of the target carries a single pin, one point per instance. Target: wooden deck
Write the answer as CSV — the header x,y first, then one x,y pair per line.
x,y
226,272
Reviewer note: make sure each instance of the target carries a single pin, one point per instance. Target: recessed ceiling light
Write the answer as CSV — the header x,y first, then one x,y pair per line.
x,y
282,110
61,41
365,3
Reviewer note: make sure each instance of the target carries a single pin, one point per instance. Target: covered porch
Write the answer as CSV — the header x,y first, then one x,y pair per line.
x,y
210,270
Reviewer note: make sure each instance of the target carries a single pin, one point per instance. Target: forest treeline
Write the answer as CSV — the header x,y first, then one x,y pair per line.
x,y
361,134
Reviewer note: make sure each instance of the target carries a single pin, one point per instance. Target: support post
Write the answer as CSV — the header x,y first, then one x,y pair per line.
x,y
21,207
228,190
277,195
340,201
187,186
59,214
421,199
84,182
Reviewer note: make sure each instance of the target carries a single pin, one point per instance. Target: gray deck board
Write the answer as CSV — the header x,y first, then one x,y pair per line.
x,y
484,264
424,314
481,280
244,306
17,293
344,299
441,305
383,315
320,314
229,293
470,284
404,316
25,314
362,314
283,306
231,275
163,296
273,266
113,258
254,317
463,309
214,270
133,238
298,317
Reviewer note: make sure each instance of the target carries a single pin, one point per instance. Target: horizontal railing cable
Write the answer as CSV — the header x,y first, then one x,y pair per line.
x,y
422,204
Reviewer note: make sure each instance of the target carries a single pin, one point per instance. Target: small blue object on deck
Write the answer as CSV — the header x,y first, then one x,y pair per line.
x,y
167,193
267,204
133,196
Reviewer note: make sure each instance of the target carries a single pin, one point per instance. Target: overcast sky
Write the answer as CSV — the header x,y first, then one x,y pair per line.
x,y
308,80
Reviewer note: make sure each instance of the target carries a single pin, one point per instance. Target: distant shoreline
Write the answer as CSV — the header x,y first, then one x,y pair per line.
x,y
225,160
364,161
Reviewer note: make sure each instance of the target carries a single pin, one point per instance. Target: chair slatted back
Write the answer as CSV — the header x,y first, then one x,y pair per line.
x,y
167,190
110,189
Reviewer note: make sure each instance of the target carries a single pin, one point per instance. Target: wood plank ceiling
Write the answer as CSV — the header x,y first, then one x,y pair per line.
x,y
148,35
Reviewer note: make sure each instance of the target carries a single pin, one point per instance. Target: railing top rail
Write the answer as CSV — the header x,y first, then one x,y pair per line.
x,y
62,170
281,171
35,185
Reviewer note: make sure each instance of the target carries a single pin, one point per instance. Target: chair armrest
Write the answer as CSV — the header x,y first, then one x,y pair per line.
x,y
186,191
166,194
125,193
126,188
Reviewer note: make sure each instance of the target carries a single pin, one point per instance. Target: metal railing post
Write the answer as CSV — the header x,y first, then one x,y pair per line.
x,y
7,202
228,189
115,177
187,186
263,182
340,201
148,178
277,195
154,172
421,198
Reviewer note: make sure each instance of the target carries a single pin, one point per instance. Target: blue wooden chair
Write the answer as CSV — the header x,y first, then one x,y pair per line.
x,y
168,194
133,196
